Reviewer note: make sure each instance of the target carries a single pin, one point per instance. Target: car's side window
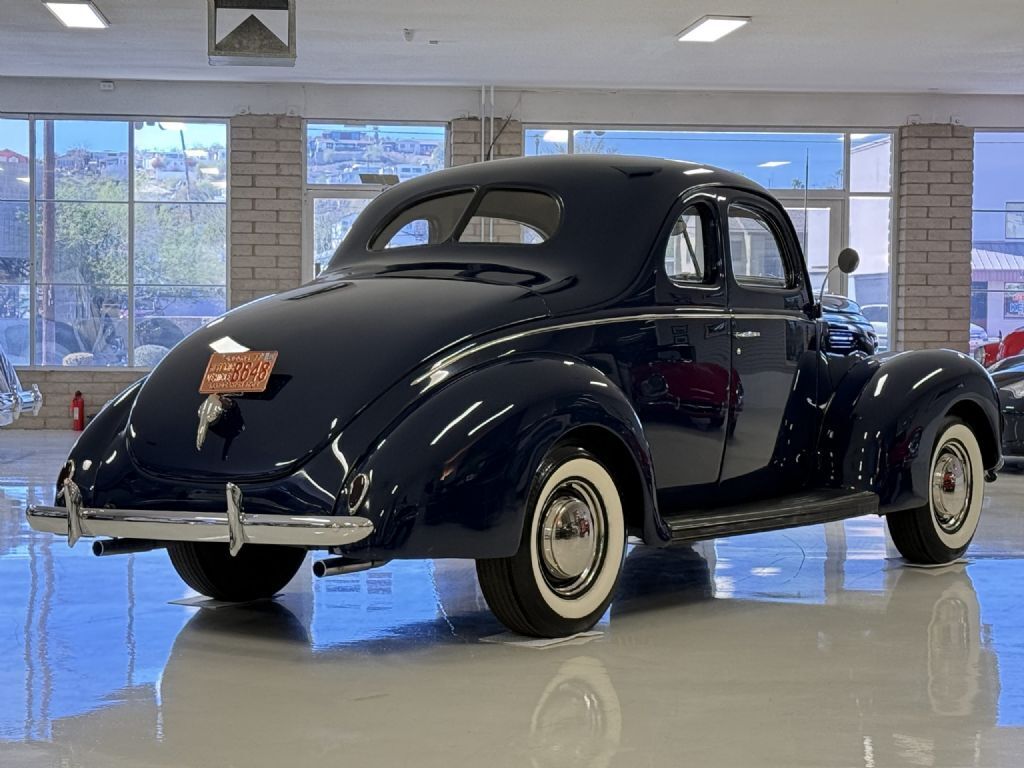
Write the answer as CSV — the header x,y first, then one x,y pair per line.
x,y
756,254
685,256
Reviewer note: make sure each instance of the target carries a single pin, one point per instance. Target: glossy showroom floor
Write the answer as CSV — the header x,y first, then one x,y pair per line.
x,y
811,647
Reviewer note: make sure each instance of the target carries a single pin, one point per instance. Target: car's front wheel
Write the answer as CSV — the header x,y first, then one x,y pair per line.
x,y
563,577
941,530
256,572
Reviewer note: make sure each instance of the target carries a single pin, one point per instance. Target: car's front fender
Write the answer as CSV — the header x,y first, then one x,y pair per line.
x,y
883,418
451,477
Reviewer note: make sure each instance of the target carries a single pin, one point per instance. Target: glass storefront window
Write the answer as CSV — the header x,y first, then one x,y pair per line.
x,y
835,186
774,160
86,290
997,250
341,154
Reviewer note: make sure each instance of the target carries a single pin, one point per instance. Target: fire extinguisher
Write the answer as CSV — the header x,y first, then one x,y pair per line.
x,y
78,412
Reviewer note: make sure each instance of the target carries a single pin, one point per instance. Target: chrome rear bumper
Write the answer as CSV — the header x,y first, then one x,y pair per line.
x,y
233,526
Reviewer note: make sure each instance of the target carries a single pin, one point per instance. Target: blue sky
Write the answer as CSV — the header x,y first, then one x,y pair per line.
x,y
111,135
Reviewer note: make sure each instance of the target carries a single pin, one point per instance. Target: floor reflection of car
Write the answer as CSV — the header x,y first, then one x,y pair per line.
x,y
878,316
903,666
848,329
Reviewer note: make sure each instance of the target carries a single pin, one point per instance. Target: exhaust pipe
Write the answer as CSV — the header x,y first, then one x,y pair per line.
x,y
106,547
336,566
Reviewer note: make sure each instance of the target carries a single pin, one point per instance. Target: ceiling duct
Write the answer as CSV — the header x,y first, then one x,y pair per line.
x,y
255,33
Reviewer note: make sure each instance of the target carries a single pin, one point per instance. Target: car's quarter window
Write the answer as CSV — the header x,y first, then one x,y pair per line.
x,y
757,259
519,216
425,222
685,257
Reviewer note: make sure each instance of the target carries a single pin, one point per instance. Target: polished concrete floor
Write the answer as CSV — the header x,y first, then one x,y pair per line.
x,y
812,647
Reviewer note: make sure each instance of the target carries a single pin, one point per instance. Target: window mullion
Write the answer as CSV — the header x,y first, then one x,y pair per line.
x,y
32,288
131,244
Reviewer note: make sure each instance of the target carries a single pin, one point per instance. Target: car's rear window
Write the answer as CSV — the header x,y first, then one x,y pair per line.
x,y
510,216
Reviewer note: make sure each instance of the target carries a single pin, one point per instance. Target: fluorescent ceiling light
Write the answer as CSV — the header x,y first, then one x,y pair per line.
x,y
78,15
712,28
773,164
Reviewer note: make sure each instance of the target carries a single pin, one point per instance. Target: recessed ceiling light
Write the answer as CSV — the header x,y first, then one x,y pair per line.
x,y
773,164
712,28
78,15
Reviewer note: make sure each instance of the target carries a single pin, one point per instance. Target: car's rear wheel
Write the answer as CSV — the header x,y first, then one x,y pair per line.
x,y
255,572
941,530
563,577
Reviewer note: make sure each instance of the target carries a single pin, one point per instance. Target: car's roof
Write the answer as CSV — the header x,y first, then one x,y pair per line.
x,y
613,208
554,170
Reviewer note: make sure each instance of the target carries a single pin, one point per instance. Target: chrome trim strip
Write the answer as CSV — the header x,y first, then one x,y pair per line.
x,y
176,525
694,314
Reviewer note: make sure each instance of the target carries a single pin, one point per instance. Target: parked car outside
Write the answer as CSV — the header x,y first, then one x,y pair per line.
x,y
1010,345
1008,375
848,329
518,394
978,337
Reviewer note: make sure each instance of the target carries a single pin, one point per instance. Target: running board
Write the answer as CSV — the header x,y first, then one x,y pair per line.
x,y
806,508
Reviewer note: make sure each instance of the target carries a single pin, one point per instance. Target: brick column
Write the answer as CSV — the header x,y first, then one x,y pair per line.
x,y
464,140
266,205
936,184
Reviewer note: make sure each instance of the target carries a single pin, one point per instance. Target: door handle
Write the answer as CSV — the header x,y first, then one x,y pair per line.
x,y
747,334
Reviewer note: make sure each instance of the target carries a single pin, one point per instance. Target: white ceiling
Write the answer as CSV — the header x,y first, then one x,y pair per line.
x,y
891,46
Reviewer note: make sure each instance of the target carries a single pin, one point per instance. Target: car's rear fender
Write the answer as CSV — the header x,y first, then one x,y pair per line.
x,y
883,417
451,477
102,442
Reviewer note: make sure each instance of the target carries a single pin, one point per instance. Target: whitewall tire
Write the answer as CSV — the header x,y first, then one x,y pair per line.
x,y
941,530
574,537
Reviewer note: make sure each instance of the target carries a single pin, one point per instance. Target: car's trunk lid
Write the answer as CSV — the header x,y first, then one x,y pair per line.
x,y
340,345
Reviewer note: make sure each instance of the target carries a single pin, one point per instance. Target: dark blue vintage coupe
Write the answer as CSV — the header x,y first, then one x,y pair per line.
x,y
525,362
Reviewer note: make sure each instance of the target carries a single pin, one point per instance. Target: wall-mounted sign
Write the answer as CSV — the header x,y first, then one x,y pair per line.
x,y
251,32
1013,300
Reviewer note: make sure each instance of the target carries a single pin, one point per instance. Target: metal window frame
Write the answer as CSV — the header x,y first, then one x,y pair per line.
x,y
311,192
129,120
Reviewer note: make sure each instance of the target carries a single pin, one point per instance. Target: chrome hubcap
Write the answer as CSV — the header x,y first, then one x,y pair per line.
x,y
952,486
572,537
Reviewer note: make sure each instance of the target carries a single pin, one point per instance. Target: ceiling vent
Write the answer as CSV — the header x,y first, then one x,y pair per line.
x,y
254,33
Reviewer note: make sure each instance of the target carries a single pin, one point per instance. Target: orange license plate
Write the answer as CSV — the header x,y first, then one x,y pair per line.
x,y
237,372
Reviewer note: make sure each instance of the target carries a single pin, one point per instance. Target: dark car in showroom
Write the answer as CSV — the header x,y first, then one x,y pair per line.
x,y
1008,376
848,329
581,349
